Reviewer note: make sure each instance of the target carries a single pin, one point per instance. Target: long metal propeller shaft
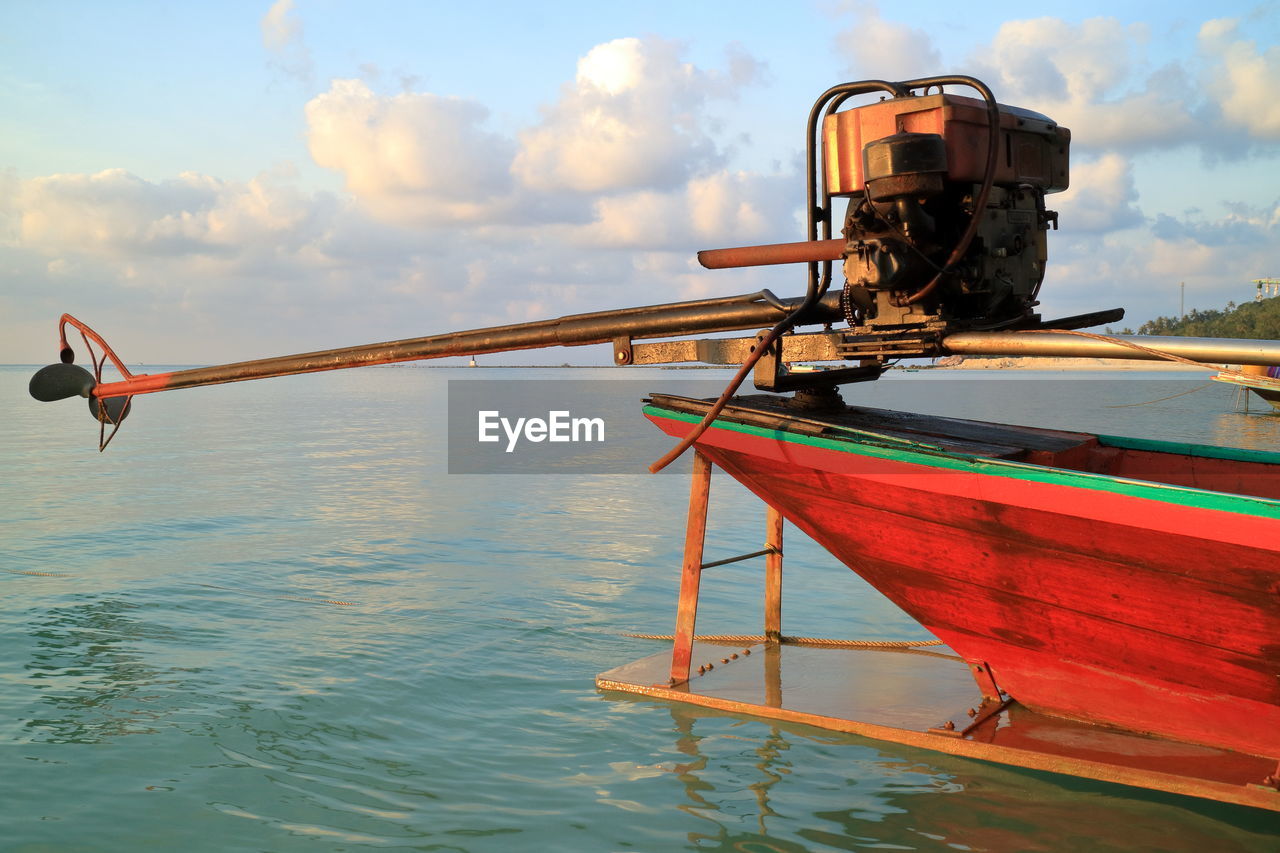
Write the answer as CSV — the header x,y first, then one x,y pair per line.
x,y
109,400
750,311
1069,345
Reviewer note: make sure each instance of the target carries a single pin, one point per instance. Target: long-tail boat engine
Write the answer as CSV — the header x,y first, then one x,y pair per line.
x,y
939,234
945,224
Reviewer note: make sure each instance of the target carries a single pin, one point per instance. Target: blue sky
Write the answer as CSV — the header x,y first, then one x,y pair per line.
x,y
213,182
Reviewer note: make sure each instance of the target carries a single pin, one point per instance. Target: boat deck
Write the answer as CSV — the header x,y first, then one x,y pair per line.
x,y
1241,472
954,435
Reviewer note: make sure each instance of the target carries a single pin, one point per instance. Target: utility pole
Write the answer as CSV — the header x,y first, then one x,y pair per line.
x,y
1182,300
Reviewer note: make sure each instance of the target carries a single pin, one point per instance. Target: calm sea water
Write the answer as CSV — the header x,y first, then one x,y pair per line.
x,y
267,618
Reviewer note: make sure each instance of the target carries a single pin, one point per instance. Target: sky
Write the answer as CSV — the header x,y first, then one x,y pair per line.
x,y
216,182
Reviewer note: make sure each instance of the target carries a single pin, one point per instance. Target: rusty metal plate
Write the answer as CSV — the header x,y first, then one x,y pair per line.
x,y
809,346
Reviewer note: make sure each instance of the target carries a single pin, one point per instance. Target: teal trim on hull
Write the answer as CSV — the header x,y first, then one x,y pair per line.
x,y
883,447
1204,451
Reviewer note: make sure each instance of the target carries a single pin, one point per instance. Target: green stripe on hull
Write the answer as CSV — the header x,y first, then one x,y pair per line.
x,y
881,447
1204,451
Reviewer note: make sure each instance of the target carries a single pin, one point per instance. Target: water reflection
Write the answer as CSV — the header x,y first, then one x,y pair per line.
x,y
89,667
1254,430
771,769
804,799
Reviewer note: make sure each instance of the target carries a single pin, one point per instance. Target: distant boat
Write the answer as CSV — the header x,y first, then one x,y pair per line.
x,y
1263,381
472,363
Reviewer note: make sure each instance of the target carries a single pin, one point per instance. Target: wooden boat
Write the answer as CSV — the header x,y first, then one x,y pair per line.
x,y
1103,590
1261,380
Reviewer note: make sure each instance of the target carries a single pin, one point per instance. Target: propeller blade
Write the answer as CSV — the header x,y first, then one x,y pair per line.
x,y
111,410
59,381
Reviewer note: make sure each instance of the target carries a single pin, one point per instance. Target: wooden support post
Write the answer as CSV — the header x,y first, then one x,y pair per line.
x,y
691,572
773,577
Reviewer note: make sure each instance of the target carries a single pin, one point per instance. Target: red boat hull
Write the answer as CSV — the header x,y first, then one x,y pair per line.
x,y
1140,607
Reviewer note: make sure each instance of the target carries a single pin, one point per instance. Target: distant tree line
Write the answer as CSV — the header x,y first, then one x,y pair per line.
x,y
1256,320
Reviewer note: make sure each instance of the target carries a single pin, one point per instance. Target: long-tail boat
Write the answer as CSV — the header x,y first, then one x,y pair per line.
x,y
1256,379
1110,607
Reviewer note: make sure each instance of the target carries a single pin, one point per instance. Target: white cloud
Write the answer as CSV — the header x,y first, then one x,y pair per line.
x,y
279,26
1242,225
626,156
612,68
212,269
112,213
1244,79
282,36
437,228
1093,78
633,118
725,208
885,50
1101,198
1141,268
116,215
412,157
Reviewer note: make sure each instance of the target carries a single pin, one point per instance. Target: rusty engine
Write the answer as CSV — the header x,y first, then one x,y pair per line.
x,y
917,175
945,226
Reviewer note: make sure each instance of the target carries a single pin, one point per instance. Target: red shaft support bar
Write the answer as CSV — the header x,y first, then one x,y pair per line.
x,y
805,251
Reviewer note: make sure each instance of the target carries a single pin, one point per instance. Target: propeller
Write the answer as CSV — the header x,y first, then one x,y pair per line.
x,y
60,381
